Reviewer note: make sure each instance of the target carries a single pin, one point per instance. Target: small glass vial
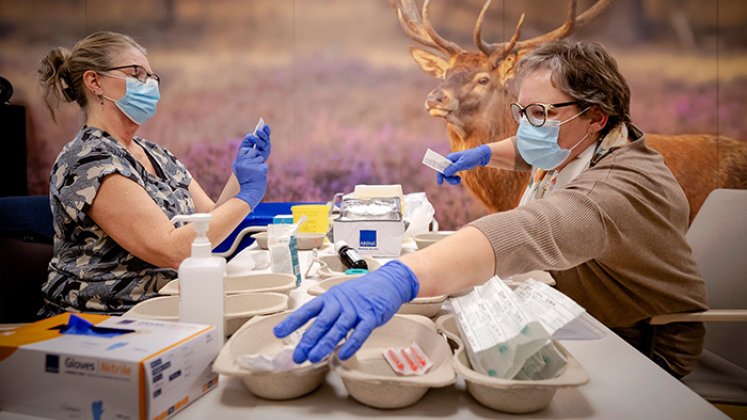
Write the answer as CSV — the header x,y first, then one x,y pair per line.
x,y
350,256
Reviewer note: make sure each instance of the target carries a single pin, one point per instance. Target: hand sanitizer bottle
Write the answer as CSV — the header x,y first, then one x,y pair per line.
x,y
201,279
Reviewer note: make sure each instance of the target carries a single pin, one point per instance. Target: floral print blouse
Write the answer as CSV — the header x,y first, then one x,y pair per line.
x,y
89,271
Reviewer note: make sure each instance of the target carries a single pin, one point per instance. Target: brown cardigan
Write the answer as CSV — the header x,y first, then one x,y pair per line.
x,y
614,240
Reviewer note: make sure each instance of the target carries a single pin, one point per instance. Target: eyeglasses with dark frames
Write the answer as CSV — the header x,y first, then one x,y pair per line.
x,y
136,71
536,113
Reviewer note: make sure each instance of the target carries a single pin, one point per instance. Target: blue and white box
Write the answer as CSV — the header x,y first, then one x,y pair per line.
x,y
377,238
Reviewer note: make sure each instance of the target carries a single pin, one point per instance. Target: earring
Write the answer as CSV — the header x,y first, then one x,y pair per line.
x,y
101,99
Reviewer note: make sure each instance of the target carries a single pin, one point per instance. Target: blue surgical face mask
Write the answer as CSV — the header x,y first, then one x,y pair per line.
x,y
539,147
140,99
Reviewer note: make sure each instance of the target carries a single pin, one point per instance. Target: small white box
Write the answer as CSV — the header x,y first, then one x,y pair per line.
x,y
151,372
378,238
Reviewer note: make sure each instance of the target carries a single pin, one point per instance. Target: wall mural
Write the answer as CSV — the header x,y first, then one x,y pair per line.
x,y
336,81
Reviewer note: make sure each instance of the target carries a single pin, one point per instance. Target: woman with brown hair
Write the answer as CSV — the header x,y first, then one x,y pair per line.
x,y
603,215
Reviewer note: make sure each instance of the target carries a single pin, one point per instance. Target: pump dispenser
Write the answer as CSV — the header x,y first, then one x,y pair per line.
x,y
201,279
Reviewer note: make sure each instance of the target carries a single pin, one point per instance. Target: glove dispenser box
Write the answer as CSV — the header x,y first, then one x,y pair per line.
x,y
120,369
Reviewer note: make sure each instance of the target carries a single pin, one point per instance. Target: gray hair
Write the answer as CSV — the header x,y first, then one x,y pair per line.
x,y
586,72
61,71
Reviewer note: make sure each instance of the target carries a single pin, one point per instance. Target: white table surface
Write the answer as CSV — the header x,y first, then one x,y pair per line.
x,y
623,385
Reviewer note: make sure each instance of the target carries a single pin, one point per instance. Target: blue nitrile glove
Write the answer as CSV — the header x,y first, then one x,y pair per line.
x,y
466,159
251,172
261,140
361,304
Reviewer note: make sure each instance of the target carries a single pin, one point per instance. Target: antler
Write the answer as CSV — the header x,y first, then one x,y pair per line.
x,y
567,27
421,30
490,49
500,50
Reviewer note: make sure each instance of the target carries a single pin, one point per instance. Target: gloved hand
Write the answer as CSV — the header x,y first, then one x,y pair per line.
x,y
361,304
466,159
251,172
261,141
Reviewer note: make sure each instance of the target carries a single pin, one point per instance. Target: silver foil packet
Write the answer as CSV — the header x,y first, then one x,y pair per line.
x,y
371,209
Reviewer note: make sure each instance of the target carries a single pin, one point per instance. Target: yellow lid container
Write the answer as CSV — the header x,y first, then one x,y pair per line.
x,y
317,217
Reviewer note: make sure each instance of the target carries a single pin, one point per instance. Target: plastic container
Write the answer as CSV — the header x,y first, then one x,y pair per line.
x,y
262,215
424,306
424,240
249,283
304,241
370,380
239,308
201,278
332,266
317,217
256,337
509,395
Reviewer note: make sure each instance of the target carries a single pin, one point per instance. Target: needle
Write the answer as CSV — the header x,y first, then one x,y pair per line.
x,y
396,360
417,355
409,361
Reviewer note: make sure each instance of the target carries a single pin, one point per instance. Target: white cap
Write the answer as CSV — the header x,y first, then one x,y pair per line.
x,y
339,244
201,246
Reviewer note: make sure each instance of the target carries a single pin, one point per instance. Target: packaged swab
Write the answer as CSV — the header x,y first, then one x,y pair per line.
x,y
281,242
260,124
435,161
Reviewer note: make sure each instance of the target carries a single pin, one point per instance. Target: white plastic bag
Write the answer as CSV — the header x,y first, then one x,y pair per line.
x,y
419,213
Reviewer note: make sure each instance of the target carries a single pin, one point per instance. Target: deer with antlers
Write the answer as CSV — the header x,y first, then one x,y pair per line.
x,y
474,98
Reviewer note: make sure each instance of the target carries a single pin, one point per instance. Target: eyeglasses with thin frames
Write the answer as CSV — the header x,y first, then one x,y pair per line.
x,y
136,71
536,113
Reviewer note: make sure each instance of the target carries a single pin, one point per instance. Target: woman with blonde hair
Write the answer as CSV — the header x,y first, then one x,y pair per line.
x,y
113,193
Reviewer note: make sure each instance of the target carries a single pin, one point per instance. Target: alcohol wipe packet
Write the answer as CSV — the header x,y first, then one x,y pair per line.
x,y
507,333
281,242
436,161
500,335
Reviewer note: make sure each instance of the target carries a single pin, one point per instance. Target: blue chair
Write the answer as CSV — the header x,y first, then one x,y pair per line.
x,y
26,234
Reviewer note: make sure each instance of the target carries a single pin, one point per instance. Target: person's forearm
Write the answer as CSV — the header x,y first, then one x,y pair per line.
x,y
229,190
505,156
449,265
226,218
179,243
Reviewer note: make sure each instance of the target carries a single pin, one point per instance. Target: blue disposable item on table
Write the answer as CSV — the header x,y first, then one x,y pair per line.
x,y
262,215
80,326
286,219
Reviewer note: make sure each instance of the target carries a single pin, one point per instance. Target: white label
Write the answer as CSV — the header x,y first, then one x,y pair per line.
x,y
435,161
260,124
503,328
550,307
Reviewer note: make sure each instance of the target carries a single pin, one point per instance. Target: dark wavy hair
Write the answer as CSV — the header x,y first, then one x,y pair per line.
x,y
586,72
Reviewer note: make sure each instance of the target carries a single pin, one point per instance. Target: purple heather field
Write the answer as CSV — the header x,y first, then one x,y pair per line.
x,y
335,81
